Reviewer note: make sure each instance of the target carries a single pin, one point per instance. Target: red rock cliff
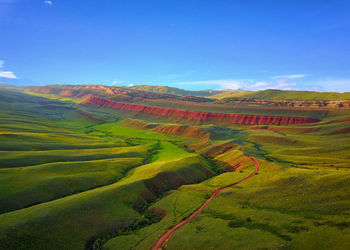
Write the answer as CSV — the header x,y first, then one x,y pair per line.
x,y
195,115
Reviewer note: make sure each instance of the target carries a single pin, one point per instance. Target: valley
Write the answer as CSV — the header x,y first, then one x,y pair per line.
x,y
100,167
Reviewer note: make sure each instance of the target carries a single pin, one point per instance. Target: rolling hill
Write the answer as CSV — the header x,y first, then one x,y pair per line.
x,y
98,167
274,94
176,91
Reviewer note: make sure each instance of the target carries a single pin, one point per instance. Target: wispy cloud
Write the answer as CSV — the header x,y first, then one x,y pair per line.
x,y
228,84
6,74
247,84
282,82
48,2
278,84
293,76
116,82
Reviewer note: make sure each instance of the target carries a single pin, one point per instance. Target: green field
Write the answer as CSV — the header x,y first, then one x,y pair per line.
x,y
77,177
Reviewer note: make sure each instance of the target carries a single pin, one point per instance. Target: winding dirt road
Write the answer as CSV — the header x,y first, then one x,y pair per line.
x,y
165,237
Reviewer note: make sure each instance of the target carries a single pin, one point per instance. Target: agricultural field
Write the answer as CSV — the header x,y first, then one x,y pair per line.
x,y
98,167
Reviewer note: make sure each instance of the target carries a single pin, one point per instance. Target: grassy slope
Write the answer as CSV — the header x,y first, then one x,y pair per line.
x,y
178,204
232,93
45,174
115,129
175,91
11,159
290,205
311,209
317,148
23,187
272,94
301,206
99,210
280,208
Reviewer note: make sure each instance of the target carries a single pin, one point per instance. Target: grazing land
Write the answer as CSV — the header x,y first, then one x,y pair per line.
x,y
98,167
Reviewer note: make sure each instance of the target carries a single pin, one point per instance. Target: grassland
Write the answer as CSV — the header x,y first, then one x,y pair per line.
x,y
71,186
77,177
274,94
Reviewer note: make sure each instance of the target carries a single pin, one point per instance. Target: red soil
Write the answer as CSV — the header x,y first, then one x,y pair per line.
x,y
219,149
190,132
234,167
165,237
195,115
230,107
340,131
137,124
278,129
68,93
287,103
346,120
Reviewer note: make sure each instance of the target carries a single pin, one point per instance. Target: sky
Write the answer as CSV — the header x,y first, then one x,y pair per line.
x,y
191,44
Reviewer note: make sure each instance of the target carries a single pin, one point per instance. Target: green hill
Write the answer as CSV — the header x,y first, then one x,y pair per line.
x,y
176,91
274,94
269,94
74,176
229,93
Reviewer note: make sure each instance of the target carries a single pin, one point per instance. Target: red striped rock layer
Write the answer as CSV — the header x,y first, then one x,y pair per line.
x,y
195,115
186,131
169,129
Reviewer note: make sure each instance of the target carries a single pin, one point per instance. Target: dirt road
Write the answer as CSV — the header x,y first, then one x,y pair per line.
x,y
165,237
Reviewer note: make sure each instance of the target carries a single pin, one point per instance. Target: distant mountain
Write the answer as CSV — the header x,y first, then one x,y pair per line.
x,y
114,92
176,91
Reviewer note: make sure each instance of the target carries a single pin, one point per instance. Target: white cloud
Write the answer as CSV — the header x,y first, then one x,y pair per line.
x,y
281,84
116,82
294,76
7,74
131,85
224,84
229,84
48,2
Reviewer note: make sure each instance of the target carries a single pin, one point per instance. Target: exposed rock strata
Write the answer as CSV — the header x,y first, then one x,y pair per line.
x,y
195,115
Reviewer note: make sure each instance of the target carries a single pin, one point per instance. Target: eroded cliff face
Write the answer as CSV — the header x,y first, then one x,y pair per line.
x,y
169,129
287,103
195,115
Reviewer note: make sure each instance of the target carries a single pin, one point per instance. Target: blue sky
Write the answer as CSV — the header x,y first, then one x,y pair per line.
x,y
192,44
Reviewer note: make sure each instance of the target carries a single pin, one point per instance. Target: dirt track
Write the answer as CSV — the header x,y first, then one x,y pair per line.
x,y
165,237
